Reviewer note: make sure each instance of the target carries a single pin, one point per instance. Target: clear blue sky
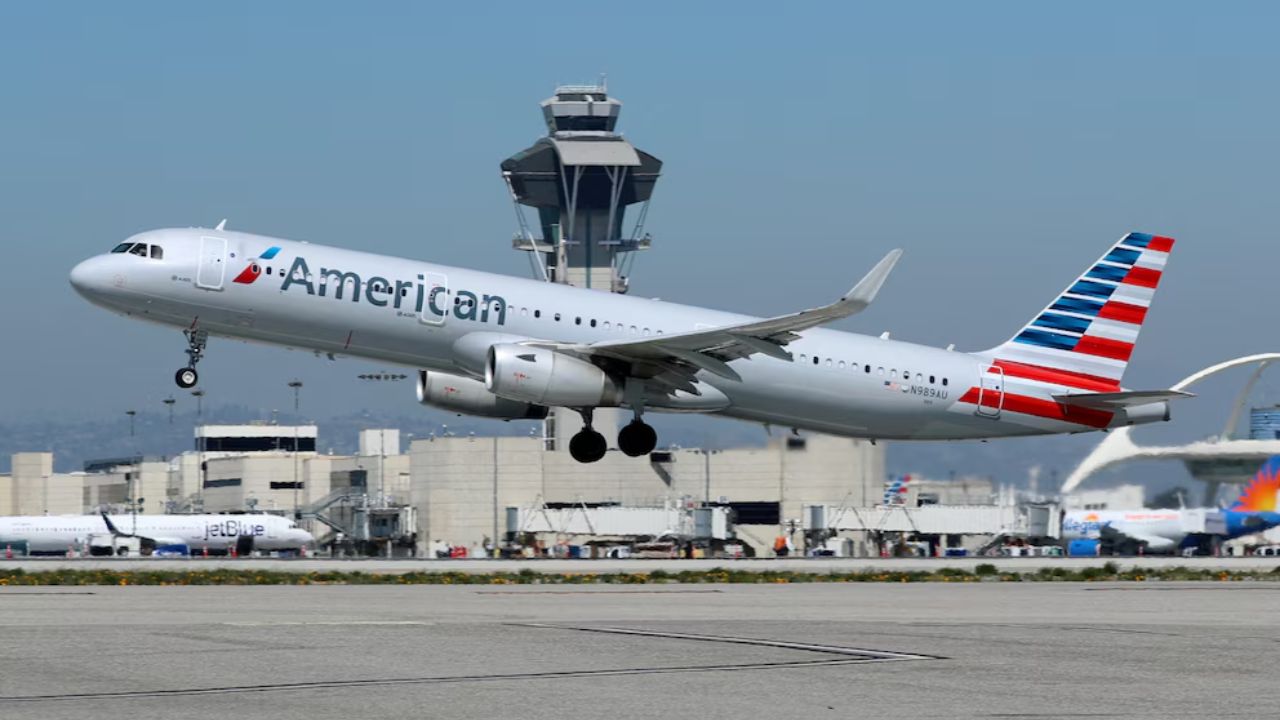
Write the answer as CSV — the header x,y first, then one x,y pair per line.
x,y
1003,145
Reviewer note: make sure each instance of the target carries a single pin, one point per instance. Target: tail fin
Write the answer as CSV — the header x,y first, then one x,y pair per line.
x,y
1084,338
1260,494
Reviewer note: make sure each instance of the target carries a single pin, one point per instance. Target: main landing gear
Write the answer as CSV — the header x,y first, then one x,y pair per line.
x,y
187,377
636,439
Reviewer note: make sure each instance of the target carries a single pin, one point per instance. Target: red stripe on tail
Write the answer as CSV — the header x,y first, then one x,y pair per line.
x,y
1123,312
1104,347
1057,376
1142,277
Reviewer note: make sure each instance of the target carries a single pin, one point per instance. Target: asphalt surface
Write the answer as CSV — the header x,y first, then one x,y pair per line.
x,y
1035,650
821,565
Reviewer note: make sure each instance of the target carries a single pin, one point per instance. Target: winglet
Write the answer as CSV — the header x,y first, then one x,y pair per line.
x,y
111,527
865,291
222,225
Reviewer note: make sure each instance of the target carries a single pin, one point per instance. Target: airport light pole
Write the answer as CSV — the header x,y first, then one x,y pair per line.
x,y
132,414
296,384
199,396
169,401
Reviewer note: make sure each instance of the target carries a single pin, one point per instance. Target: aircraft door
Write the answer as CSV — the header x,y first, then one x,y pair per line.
x,y
213,263
990,392
436,303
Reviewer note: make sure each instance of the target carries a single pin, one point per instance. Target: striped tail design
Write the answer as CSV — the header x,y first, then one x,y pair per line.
x,y
1260,495
1083,340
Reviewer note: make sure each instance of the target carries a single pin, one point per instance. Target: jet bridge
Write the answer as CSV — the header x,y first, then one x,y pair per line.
x,y
671,521
1034,520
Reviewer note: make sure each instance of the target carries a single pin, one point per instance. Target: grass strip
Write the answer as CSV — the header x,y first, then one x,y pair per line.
x,y
1108,572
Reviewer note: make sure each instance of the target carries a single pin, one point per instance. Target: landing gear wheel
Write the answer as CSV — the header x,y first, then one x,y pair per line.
x,y
587,446
637,438
186,378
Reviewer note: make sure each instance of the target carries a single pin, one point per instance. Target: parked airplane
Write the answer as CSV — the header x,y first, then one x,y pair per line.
x,y
244,532
1164,530
505,347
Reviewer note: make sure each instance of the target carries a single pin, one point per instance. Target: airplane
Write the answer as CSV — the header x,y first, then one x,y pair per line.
x,y
510,348
219,533
1164,530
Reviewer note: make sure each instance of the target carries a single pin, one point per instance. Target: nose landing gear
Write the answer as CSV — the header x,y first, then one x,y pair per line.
x,y
187,377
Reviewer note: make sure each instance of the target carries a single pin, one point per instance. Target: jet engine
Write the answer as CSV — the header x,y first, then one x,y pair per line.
x,y
546,377
469,397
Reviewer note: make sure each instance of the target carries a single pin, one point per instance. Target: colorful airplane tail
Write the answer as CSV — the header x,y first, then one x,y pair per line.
x,y
1260,494
1084,338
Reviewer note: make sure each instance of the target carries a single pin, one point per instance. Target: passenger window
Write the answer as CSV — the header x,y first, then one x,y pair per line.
x,y
829,362
880,370
919,377
646,332
593,322
607,326
944,381
893,373
122,247
524,312
868,370
841,364
633,329
577,321
537,313
815,359
557,317
931,380
157,252
803,357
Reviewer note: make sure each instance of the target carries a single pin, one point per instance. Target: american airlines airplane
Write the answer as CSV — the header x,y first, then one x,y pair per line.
x,y
506,347
244,532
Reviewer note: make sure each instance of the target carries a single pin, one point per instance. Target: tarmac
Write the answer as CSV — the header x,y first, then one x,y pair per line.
x,y
977,650
482,565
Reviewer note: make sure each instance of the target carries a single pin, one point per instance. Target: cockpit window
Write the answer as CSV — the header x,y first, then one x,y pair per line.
x,y
122,247
139,249
157,252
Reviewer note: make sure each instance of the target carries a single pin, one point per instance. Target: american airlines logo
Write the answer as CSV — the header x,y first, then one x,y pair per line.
x,y
253,270
399,294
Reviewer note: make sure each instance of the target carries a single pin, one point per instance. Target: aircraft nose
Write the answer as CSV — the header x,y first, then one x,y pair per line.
x,y
90,277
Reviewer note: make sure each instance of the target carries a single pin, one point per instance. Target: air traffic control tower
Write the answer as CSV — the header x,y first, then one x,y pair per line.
x,y
581,178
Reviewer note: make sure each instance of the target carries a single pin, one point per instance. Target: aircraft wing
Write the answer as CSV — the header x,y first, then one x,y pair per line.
x,y
111,527
710,349
1153,542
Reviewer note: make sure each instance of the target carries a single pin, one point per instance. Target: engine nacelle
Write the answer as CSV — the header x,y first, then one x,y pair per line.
x,y
546,377
469,397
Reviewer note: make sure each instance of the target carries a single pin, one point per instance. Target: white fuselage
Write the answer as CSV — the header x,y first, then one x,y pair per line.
x,y
58,533
432,317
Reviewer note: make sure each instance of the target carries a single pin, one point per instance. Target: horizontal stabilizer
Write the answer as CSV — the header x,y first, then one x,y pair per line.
x,y
1124,399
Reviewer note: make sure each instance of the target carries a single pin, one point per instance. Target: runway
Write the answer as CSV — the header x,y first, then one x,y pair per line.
x,y
481,565
978,650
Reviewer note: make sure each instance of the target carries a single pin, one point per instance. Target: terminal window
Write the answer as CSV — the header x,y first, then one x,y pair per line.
x,y
256,444
223,482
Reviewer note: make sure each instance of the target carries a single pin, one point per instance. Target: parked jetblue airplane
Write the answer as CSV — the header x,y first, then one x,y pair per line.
x,y
505,347
246,532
